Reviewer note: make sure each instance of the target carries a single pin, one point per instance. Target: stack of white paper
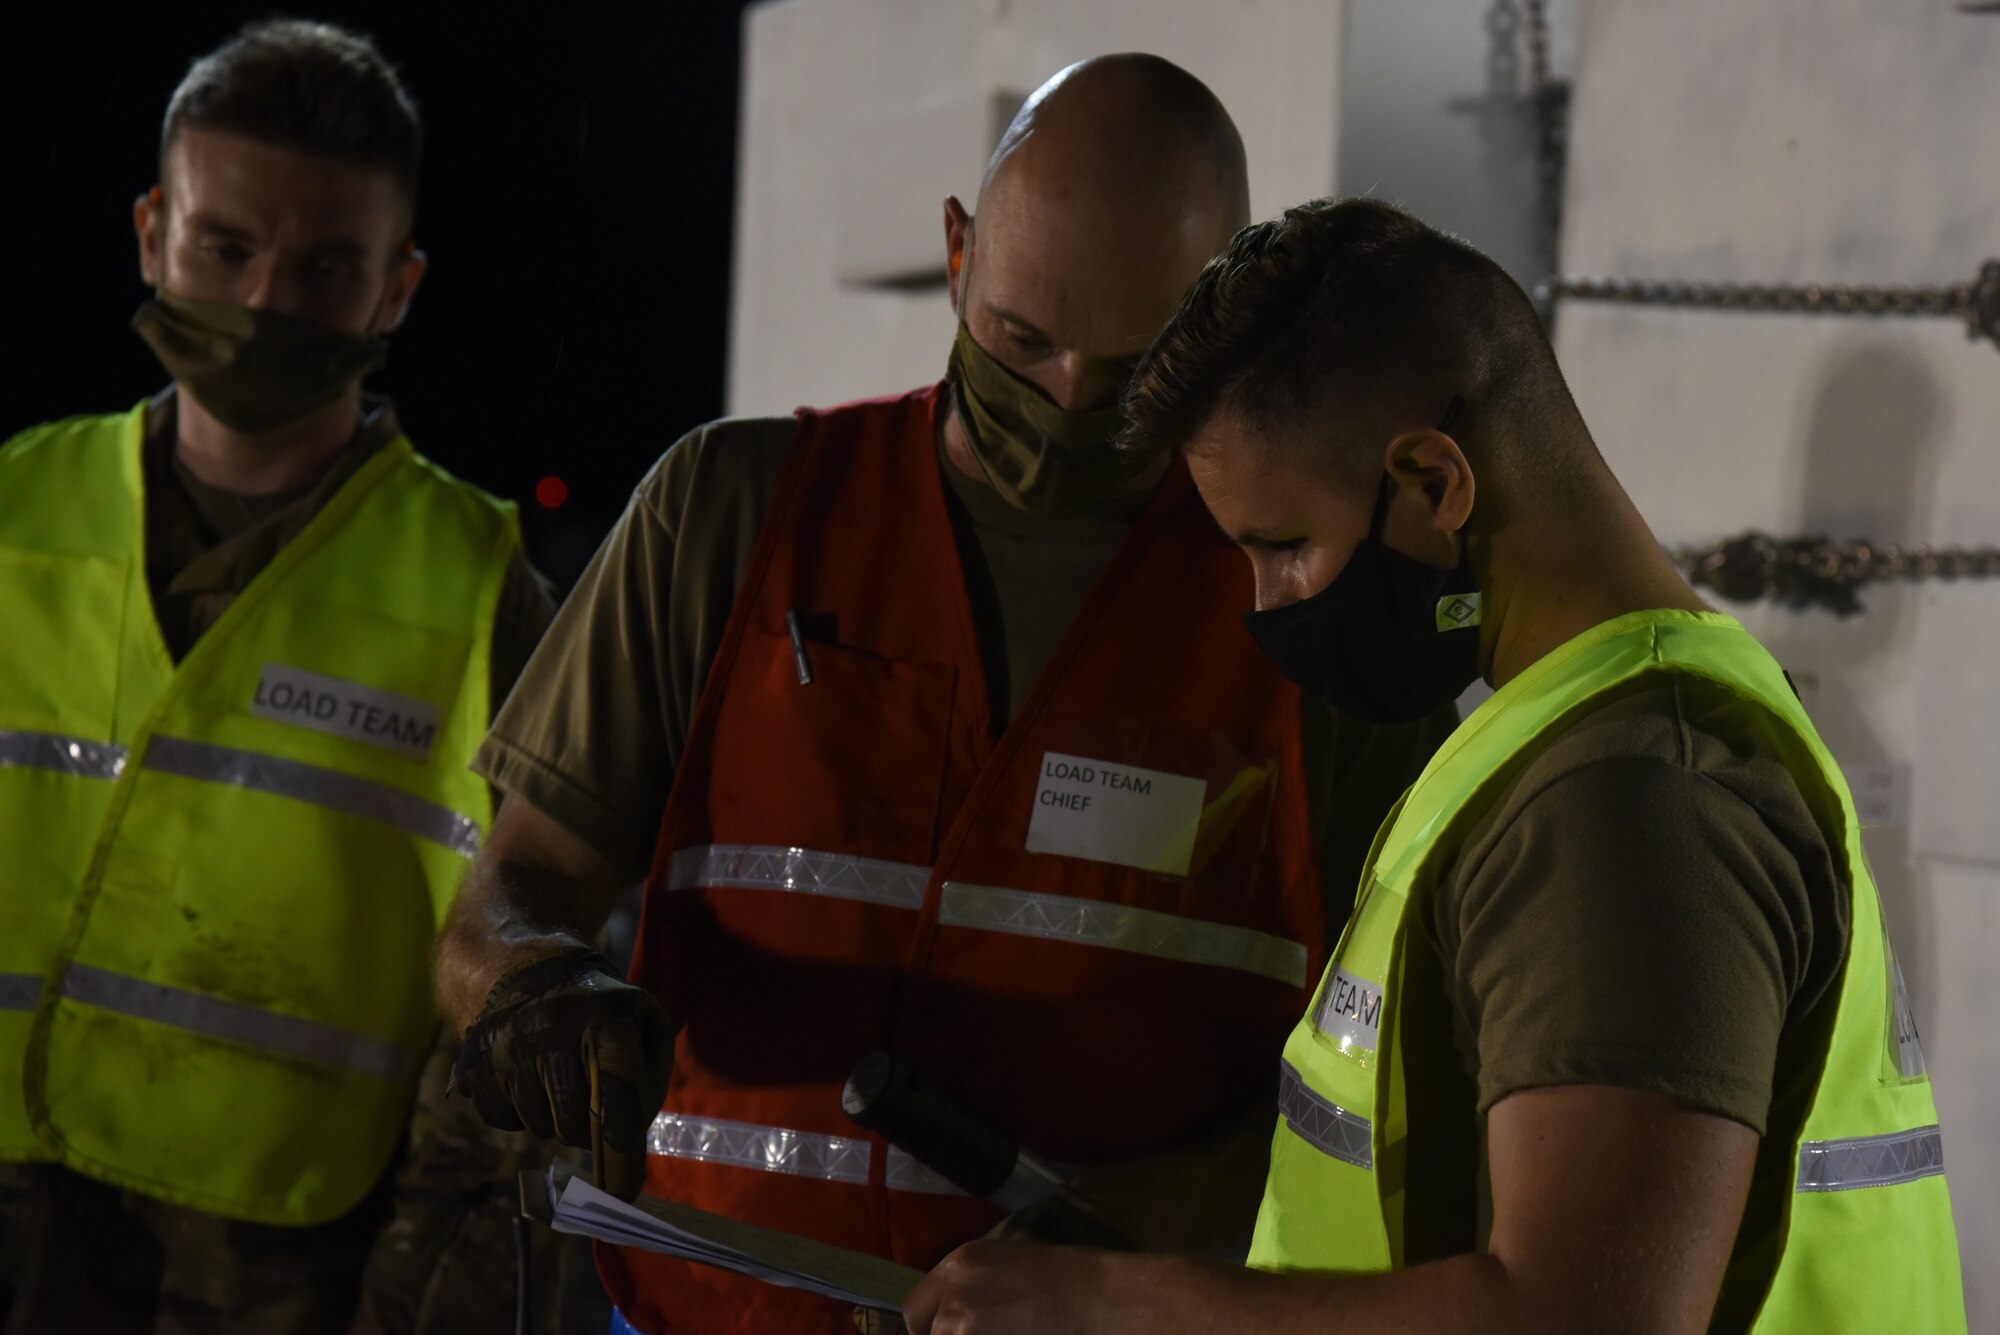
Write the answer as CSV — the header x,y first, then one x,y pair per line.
x,y
775,1257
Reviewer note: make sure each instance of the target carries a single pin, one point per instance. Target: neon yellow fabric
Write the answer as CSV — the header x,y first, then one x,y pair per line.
x,y
1871,1257
225,939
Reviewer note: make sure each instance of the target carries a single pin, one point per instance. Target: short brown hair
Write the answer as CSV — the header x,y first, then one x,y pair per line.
x,y
1340,300
310,87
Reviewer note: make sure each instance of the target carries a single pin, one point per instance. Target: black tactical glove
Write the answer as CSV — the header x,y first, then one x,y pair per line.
x,y
571,1051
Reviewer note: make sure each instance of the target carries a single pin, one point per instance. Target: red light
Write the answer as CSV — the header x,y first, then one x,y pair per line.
x,y
551,492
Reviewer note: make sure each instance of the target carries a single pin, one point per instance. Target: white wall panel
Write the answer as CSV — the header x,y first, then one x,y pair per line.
x,y
1433,117
825,80
1835,141
1774,140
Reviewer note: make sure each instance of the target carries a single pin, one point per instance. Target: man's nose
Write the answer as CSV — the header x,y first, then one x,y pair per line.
x,y
266,288
1271,592
1083,384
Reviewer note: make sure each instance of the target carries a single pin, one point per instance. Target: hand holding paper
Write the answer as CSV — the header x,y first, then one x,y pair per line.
x,y
673,1229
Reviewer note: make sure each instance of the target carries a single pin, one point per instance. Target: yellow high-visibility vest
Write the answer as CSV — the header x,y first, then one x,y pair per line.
x,y
1868,1241
220,881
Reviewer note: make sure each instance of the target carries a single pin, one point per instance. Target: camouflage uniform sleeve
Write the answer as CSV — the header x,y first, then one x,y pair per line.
x,y
445,1263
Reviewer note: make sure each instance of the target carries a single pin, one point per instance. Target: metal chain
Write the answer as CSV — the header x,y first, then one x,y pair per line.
x,y
1538,44
1814,572
1550,99
1503,65
1976,302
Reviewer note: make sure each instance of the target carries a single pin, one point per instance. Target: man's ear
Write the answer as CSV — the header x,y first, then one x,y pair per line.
x,y
149,221
1435,491
957,236
406,272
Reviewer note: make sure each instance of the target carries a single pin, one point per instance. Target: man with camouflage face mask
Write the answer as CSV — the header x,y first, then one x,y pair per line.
x,y
933,718
248,640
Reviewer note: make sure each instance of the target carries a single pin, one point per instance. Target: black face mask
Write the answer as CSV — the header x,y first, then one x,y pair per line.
x,y
1388,641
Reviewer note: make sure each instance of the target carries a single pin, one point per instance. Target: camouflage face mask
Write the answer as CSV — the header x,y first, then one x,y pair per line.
x,y
1036,455
255,370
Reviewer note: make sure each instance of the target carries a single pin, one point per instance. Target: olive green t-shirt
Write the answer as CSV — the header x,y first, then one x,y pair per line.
x,y
1647,903
594,728
205,544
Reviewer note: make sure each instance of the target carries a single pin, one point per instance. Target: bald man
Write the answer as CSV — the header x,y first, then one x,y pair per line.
x,y
932,727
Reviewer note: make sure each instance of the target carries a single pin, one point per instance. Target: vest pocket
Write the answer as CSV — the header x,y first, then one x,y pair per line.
x,y
793,917
852,761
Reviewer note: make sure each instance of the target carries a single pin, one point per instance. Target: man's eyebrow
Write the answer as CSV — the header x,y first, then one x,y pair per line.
x,y
338,249
342,250
216,227
1020,322
1126,361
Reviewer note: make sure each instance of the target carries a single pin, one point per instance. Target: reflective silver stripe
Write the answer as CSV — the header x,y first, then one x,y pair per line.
x,y
903,1173
232,1020
1120,927
20,991
803,870
1870,1161
66,755
776,1149
989,908
1325,1126
321,787
772,1149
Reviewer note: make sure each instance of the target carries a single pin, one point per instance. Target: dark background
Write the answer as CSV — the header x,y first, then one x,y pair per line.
x,y
578,190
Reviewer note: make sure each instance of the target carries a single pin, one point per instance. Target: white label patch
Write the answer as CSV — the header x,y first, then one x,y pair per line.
x,y
1457,611
1350,1009
1144,818
398,723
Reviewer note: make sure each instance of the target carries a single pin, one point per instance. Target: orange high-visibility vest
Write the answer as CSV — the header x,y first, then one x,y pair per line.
x,y
1096,928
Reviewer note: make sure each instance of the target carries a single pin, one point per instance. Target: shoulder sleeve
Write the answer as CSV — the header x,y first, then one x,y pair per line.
x,y
1635,923
595,725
